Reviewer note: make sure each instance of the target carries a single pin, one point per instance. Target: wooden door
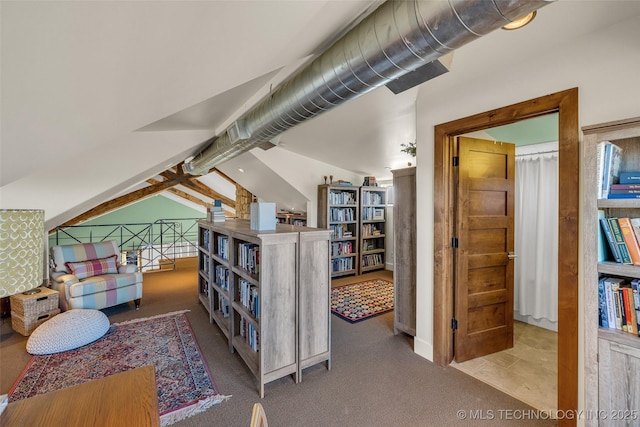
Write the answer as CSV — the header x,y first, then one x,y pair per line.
x,y
484,226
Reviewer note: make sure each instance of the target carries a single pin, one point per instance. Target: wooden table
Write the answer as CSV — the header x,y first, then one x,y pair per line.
x,y
128,398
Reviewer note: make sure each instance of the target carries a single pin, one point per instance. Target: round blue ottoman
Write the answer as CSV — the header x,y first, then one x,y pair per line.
x,y
68,330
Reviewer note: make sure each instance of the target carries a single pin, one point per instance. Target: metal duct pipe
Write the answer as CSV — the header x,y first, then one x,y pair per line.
x,y
397,38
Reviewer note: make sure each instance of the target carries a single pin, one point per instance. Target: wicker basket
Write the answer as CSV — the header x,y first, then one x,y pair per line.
x,y
31,306
27,325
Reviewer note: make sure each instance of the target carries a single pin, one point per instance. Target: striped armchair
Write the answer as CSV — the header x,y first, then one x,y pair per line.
x,y
89,275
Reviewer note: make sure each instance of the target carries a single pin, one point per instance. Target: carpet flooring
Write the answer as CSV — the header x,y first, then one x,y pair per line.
x,y
184,383
363,300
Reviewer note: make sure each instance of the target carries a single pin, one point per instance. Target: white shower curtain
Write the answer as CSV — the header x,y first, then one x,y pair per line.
x,y
536,235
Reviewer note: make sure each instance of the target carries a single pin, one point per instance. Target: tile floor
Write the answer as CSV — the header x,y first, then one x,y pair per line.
x,y
528,371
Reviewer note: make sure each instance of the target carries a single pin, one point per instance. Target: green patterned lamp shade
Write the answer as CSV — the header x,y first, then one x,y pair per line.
x,y
21,250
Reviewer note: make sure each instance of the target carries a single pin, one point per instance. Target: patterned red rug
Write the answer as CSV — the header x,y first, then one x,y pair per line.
x,y
363,300
185,386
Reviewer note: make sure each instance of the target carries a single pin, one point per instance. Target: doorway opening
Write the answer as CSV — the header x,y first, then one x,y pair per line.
x,y
565,104
528,370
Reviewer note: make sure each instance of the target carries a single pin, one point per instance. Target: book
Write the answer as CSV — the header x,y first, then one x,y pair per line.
x,y
626,186
612,161
630,311
613,247
629,177
600,148
623,196
630,239
602,304
621,323
635,288
629,191
611,308
619,239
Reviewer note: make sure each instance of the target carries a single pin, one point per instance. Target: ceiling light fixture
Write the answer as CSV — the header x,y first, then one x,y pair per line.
x,y
241,170
520,22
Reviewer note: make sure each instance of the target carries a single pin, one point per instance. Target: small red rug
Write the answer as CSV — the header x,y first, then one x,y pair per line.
x,y
362,300
185,386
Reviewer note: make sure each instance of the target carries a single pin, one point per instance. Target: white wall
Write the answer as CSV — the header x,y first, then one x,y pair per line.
x,y
304,174
604,66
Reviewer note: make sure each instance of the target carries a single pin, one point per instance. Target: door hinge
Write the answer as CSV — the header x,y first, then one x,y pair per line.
x,y
454,324
455,160
454,242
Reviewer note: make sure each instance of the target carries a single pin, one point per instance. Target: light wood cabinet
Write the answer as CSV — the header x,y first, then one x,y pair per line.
x,y
338,211
612,358
268,293
314,293
373,216
404,250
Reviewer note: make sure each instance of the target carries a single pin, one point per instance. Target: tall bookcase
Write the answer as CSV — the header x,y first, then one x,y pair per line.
x,y
373,216
404,250
612,358
268,292
338,211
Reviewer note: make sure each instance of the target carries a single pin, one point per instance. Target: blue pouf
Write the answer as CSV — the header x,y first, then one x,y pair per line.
x,y
68,330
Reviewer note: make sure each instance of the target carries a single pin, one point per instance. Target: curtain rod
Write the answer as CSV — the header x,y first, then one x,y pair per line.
x,y
537,152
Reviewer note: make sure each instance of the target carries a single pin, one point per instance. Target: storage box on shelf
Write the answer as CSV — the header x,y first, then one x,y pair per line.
x,y
28,311
373,217
612,356
257,280
338,211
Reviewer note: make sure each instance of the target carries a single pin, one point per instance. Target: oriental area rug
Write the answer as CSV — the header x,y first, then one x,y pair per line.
x,y
362,300
184,383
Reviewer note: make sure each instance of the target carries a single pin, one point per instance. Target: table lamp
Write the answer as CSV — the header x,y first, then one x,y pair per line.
x,y
21,251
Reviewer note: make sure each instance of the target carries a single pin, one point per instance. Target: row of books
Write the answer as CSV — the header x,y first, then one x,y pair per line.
x,y
342,214
206,234
339,231
608,160
223,247
249,297
371,230
373,214
371,260
613,183
372,198
223,305
250,334
341,248
619,304
222,277
342,264
622,235
342,198
249,257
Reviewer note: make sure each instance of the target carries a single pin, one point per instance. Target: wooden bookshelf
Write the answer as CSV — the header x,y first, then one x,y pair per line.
x,y
277,293
338,211
612,357
373,221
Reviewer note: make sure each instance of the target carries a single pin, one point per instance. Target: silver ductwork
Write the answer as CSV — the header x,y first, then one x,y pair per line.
x,y
396,39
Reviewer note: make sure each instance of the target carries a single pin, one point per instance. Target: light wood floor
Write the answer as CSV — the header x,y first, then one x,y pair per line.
x,y
528,371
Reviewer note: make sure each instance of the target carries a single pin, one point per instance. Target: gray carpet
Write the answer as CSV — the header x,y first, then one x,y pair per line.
x,y
375,378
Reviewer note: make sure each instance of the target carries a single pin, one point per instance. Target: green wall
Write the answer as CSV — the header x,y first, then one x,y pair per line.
x,y
145,211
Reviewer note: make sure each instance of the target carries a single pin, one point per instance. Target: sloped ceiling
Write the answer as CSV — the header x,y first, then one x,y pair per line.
x,y
98,97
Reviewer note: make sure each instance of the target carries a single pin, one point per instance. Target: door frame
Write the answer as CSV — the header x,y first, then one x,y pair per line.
x,y
565,103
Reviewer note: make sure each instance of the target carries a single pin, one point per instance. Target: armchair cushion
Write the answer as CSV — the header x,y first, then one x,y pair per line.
x,y
93,267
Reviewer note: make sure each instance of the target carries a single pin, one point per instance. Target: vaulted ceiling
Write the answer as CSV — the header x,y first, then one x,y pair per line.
x,y
100,99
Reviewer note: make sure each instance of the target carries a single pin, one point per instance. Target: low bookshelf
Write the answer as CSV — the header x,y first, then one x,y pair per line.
x,y
268,293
